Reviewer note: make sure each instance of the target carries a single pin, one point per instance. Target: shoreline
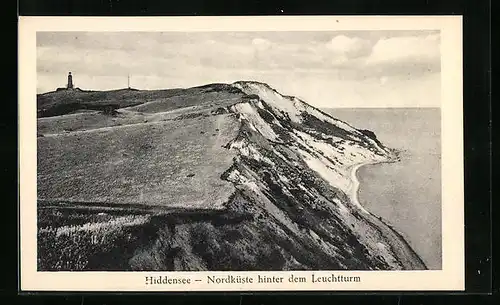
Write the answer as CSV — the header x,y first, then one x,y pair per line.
x,y
355,185
400,247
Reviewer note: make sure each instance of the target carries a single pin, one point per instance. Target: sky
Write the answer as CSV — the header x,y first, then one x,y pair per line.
x,y
326,69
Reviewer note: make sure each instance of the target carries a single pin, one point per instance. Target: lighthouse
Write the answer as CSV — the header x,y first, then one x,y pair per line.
x,y
70,81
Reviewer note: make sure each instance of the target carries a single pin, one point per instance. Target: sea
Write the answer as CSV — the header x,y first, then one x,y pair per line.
x,y
406,194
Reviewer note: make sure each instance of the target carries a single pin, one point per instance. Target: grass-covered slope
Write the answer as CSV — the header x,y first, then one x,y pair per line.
x,y
167,163
196,181
69,101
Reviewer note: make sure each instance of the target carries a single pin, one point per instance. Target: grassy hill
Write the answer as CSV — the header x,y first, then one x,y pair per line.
x,y
68,101
168,152
193,179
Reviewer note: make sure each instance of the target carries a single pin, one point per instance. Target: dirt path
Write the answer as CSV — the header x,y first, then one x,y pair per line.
x,y
99,129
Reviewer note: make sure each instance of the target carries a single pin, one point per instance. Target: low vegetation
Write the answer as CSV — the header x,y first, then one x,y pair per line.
x,y
74,241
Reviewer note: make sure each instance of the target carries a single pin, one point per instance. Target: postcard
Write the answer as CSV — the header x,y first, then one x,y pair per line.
x,y
277,153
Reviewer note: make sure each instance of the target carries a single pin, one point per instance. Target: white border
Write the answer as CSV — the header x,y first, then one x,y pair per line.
x,y
451,277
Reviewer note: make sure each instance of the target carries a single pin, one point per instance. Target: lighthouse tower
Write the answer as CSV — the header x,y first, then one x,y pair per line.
x,y
70,81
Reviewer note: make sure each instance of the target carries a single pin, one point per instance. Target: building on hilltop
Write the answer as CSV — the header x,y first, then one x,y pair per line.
x,y
70,81
69,85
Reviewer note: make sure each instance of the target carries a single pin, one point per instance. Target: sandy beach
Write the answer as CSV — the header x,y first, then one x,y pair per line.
x,y
355,186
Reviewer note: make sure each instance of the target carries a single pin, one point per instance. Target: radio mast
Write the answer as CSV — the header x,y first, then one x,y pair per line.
x,y
128,81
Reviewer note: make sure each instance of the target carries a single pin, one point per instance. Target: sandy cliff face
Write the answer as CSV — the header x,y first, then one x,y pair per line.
x,y
295,196
293,205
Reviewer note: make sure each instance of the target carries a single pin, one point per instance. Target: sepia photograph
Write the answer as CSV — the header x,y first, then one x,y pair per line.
x,y
239,150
